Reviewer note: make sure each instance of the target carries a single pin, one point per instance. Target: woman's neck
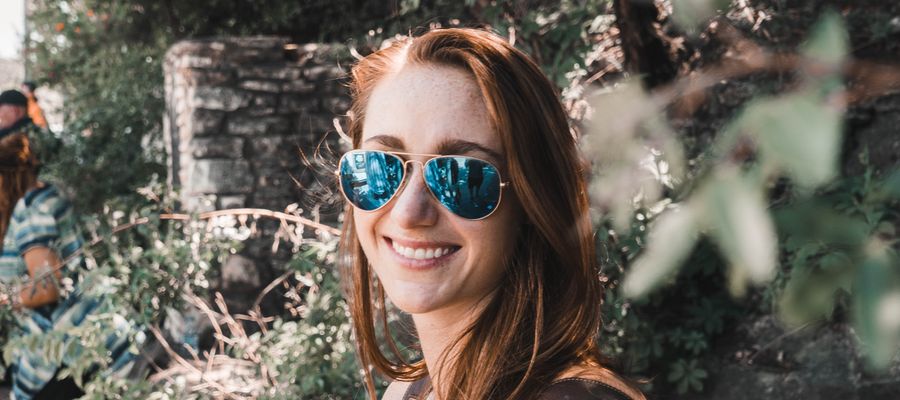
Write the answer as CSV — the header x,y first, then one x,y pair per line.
x,y
438,331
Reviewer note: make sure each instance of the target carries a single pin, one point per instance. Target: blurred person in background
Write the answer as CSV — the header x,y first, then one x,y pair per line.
x,y
40,257
14,119
14,113
34,110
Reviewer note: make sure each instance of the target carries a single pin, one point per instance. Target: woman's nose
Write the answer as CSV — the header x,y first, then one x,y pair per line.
x,y
414,205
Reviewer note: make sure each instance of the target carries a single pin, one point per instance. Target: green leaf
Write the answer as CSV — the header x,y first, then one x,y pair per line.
x,y
828,43
877,307
892,184
670,241
809,295
797,132
742,227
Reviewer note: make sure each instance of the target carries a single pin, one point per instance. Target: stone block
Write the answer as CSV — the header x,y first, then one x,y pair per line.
x,y
219,176
205,122
324,72
219,98
240,273
292,104
336,104
261,85
264,101
257,42
195,61
218,147
298,86
274,180
255,50
274,71
259,111
267,145
235,201
248,126
209,77
314,125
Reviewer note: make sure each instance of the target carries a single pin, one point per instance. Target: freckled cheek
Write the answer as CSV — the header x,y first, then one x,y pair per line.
x,y
490,245
365,230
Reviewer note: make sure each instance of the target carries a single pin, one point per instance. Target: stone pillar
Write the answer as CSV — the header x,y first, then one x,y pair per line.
x,y
239,114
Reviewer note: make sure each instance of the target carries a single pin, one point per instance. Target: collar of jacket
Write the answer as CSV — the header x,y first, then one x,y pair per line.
x,y
19,126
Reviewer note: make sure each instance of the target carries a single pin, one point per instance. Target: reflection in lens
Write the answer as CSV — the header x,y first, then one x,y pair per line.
x,y
370,178
467,186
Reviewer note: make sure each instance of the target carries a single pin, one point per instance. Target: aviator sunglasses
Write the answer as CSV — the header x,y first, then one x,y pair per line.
x,y
469,187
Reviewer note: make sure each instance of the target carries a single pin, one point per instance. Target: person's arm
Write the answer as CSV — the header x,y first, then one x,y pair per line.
x,y
40,260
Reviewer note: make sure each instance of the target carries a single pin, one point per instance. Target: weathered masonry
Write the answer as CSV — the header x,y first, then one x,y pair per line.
x,y
241,113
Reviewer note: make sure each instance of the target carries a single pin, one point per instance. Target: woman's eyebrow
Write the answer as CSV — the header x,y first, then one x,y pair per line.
x,y
388,141
461,147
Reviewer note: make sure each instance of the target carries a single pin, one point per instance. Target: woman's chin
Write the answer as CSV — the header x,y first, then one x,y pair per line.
x,y
416,303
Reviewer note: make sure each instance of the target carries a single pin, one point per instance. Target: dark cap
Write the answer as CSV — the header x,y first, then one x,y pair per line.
x,y
13,97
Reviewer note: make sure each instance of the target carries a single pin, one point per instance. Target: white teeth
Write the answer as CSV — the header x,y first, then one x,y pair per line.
x,y
420,253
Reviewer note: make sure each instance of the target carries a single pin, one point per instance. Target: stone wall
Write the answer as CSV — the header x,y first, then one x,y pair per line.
x,y
240,113
240,110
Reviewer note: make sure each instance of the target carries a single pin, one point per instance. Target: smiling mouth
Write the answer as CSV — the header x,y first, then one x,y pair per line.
x,y
422,253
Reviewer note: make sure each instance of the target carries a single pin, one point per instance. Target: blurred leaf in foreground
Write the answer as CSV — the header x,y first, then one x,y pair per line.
x,y
798,133
671,241
633,151
742,227
828,43
876,304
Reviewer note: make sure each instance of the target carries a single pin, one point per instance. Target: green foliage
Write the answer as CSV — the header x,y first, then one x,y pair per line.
x,y
841,252
837,242
135,274
313,356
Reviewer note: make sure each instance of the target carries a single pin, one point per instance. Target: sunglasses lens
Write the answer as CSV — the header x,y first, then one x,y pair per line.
x,y
370,178
467,186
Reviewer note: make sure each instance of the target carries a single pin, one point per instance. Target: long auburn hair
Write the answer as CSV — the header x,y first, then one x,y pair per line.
x,y
18,173
545,315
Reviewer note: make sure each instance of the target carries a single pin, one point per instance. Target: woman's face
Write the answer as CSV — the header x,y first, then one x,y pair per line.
x,y
434,110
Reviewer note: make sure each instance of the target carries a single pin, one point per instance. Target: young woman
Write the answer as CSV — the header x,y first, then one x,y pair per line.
x,y
486,240
38,231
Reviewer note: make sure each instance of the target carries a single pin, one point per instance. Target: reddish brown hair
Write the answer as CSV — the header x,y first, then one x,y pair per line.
x,y
545,314
17,175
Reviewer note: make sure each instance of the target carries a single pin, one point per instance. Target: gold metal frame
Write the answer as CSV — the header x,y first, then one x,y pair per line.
x,y
404,181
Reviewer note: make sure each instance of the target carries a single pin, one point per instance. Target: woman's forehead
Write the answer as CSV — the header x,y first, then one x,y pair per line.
x,y
424,105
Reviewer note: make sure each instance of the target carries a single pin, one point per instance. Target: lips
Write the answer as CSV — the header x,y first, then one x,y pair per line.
x,y
421,251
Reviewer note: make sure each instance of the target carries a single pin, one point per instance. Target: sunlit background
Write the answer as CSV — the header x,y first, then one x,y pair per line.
x,y
12,28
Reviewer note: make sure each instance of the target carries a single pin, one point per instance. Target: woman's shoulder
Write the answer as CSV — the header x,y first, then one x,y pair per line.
x,y
590,382
396,390
582,389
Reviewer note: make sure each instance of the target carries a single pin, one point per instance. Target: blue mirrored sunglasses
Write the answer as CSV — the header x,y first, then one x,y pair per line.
x,y
469,187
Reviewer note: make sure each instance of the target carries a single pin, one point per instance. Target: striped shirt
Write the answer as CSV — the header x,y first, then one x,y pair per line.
x,y
43,218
